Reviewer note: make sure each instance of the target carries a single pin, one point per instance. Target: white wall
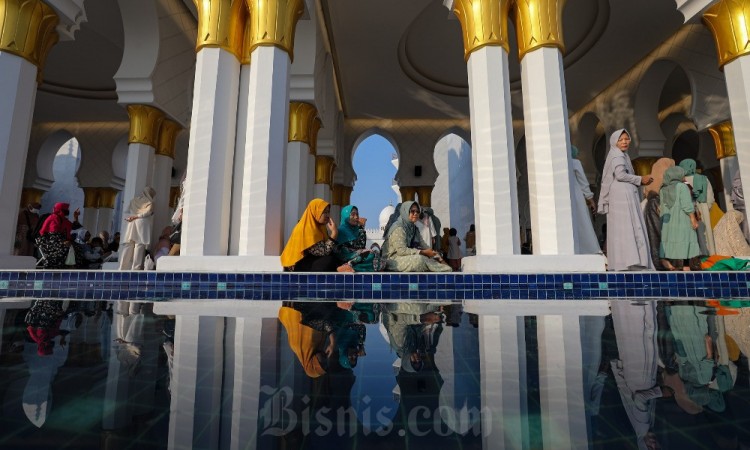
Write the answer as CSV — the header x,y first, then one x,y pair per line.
x,y
453,195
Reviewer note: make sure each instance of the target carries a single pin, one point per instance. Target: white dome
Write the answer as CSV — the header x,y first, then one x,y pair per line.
x,y
385,214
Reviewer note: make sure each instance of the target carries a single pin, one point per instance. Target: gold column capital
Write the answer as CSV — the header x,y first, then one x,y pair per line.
x,y
272,23
483,23
316,126
723,134
538,24
168,137
408,193
425,195
174,196
90,197
145,122
337,195
301,120
729,22
221,24
28,29
643,165
324,166
31,195
107,197
346,195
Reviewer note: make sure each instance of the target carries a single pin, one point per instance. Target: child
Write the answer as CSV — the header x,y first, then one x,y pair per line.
x,y
454,250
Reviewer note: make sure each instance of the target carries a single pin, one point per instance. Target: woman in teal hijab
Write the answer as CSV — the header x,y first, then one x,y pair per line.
x,y
703,195
678,222
352,240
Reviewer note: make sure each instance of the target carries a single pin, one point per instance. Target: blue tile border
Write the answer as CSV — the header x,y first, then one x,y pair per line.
x,y
373,286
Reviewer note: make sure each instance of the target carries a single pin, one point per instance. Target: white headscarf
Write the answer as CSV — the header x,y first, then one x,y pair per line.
x,y
615,157
144,203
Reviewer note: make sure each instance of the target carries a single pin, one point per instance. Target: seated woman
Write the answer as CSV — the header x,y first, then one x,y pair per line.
x,y
404,247
352,241
54,240
313,240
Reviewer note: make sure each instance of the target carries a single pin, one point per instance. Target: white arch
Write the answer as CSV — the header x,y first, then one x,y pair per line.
x,y
46,157
382,133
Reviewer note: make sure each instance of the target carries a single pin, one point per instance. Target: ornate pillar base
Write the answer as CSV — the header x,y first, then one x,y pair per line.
x,y
18,85
548,152
162,183
262,216
138,175
737,74
493,154
533,263
297,189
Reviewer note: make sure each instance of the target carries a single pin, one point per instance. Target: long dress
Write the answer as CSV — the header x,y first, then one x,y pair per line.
x,y
402,258
627,243
586,242
678,239
705,232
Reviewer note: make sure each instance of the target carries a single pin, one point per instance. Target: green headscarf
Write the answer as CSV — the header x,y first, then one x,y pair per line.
x,y
347,231
574,152
700,182
668,193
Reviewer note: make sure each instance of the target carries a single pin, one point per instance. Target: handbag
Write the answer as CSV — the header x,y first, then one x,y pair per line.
x,y
70,260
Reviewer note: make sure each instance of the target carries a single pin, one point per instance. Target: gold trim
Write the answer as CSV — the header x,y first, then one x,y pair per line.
x,y
729,22
346,195
107,197
302,118
221,23
31,195
174,196
90,197
483,22
643,165
314,129
324,166
538,24
723,134
337,195
273,23
408,193
333,170
145,122
28,30
168,138
425,195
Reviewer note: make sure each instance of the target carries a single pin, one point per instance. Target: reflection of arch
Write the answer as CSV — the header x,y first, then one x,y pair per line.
x,y
382,133
46,157
651,92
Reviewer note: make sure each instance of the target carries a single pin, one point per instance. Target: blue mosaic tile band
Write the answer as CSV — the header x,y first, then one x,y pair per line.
x,y
101,285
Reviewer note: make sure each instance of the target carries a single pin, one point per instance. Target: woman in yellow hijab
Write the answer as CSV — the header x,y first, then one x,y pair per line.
x,y
313,241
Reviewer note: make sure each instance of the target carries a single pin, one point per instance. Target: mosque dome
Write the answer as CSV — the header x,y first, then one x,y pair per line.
x,y
385,214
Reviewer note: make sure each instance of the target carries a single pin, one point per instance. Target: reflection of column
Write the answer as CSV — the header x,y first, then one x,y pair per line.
x,y
485,32
10,304
729,21
271,43
145,122
162,178
27,33
302,119
208,180
107,199
540,41
90,209
726,153
324,166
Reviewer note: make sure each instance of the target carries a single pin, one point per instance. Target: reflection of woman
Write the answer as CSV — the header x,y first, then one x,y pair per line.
x,y
54,239
627,243
651,210
310,248
678,222
404,247
352,240
305,342
703,194
138,232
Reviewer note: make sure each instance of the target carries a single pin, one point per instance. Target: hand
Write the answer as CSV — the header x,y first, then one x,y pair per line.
x,y
430,253
333,230
694,223
131,218
362,221
76,214
345,305
647,179
591,204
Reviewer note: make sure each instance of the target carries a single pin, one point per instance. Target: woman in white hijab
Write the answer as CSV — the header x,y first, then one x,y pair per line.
x,y
619,199
138,232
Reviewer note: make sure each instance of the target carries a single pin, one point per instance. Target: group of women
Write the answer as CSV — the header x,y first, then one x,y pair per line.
x,y
671,228
318,244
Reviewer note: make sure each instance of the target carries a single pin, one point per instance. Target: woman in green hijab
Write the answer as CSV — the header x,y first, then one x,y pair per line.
x,y
678,222
352,241
703,195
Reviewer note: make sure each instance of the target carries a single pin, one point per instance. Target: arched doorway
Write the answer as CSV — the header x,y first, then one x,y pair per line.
x,y
64,167
453,194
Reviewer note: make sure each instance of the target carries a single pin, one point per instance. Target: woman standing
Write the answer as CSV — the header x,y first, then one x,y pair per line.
x,y
627,243
313,241
678,222
404,247
651,211
138,232
703,194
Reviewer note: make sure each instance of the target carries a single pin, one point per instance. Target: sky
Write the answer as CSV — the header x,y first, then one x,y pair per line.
x,y
375,172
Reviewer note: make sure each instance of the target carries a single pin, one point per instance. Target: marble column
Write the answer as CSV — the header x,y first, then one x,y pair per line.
x,y
27,33
726,153
145,122
270,38
302,119
162,177
324,167
107,205
90,209
729,21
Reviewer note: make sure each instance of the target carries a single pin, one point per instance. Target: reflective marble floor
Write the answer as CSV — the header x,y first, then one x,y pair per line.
x,y
615,374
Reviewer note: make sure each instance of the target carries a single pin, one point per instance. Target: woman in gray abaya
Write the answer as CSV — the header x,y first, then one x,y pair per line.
x,y
619,199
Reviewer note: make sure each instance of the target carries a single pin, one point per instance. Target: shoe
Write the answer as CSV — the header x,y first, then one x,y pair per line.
x,y
345,268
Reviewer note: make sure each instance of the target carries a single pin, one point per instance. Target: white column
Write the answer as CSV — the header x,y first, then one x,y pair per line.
x,y
162,183
310,187
729,167
297,171
138,175
322,191
262,214
205,226
91,219
104,221
545,111
238,178
493,156
18,93
737,74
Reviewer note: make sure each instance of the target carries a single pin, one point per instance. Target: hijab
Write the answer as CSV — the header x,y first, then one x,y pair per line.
x,y
306,233
574,152
657,171
347,231
672,177
700,182
615,157
404,223
144,203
